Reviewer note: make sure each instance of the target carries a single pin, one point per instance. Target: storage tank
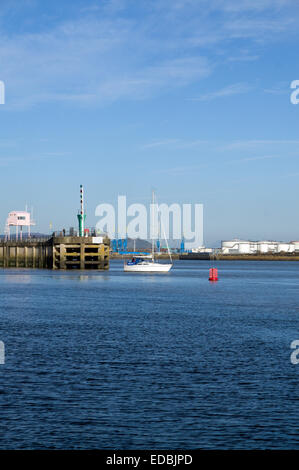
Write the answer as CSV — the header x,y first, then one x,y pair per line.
x,y
253,247
273,246
235,246
285,248
263,247
229,243
267,246
296,245
230,246
244,247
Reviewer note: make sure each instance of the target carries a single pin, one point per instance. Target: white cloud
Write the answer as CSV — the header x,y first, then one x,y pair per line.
x,y
258,28
235,89
90,61
11,160
176,143
109,52
248,144
253,5
160,143
252,159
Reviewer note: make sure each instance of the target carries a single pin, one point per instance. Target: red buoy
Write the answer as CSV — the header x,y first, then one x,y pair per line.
x,y
213,274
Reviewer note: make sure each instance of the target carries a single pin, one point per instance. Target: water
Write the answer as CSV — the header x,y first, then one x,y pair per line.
x,y
132,361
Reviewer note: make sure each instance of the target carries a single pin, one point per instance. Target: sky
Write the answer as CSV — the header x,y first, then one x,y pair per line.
x,y
187,97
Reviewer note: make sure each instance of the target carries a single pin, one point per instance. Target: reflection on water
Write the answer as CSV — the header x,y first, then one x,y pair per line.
x,y
17,278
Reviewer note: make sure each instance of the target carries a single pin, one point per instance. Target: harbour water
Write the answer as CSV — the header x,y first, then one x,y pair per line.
x,y
113,360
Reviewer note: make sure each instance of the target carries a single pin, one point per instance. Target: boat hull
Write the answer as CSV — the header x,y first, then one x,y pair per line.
x,y
148,268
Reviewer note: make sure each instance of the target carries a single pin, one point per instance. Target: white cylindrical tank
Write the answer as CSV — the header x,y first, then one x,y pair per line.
x,y
229,243
244,247
235,246
263,247
253,247
267,246
296,245
230,246
285,248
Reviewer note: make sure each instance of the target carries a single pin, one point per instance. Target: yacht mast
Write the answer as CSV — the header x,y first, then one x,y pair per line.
x,y
153,219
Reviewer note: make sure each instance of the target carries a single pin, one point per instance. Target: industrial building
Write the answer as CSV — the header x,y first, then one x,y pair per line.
x,y
242,247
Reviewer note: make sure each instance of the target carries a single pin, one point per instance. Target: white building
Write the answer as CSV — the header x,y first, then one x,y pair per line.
x,y
202,249
18,219
237,246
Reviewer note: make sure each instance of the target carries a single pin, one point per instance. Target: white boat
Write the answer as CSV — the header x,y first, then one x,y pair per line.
x,y
144,264
147,263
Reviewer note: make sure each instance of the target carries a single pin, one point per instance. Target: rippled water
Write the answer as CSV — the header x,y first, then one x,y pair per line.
x,y
121,361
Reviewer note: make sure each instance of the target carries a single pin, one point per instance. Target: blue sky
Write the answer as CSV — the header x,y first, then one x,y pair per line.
x,y
190,97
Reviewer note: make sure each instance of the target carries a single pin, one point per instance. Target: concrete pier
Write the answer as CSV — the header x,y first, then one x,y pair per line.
x,y
56,253
80,253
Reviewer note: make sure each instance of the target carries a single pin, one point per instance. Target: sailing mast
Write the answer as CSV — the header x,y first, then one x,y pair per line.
x,y
150,265
153,219
160,226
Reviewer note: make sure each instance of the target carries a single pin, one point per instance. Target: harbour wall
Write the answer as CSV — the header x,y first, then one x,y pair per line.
x,y
56,253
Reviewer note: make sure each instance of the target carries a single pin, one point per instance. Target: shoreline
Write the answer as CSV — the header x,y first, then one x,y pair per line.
x,y
207,256
195,256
